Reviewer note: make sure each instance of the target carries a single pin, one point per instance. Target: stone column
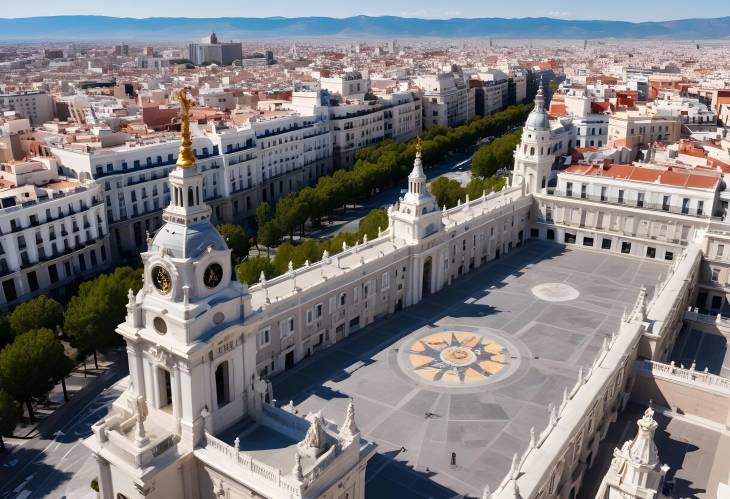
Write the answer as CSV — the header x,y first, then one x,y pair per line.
x,y
106,490
136,370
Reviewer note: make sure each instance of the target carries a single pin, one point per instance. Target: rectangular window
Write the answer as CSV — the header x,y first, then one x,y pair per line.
x,y
385,282
569,238
640,199
606,244
665,203
621,196
604,197
588,241
700,207
264,337
651,252
669,256
343,299
310,316
318,310
583,191
625,247
720,250
569,189
685,206
715,275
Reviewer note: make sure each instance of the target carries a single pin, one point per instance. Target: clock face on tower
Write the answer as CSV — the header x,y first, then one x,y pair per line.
x,y
161,279
213,275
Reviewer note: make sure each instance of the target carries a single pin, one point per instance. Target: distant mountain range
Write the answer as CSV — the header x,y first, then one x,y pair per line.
x,y
69,28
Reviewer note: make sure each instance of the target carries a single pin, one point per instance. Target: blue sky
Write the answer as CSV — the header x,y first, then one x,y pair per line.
x,y
628,10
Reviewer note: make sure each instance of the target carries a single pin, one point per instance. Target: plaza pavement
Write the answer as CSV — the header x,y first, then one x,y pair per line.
x,y
418,424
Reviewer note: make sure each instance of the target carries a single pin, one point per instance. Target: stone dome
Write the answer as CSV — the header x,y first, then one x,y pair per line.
x,y
192,241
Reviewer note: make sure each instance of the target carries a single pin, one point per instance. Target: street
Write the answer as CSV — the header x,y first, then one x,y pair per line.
x,y
458,163
56,464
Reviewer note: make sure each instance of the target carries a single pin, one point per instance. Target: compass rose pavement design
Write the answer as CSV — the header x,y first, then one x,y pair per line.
x,y
456,358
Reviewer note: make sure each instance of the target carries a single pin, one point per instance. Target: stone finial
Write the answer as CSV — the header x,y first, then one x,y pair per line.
x,y
443,210
565,399
237,443
306,263
532,443
349,429
467,198
553,414
314,441
148,239
130,297
262,279
514,468
380,231
326,256
344,245
140,410
297,471
290,266
365,239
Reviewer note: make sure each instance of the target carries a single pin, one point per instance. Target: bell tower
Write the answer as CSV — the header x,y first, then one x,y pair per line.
x,y
188,302
416,215
534,157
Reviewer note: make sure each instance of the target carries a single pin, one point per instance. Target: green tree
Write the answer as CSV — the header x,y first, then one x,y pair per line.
x,y
31,364
6,332
447,192
249,271
93,313
8,416
40,312
369,225
236,239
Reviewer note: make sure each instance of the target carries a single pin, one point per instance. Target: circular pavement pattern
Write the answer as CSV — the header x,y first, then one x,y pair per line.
x,y
555,292
455,358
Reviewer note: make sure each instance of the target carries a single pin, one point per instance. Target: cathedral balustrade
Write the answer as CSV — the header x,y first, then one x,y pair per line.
x,y
253,467
681,374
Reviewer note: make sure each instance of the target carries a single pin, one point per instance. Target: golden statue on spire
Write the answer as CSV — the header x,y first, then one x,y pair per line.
x,y
186,158
418,145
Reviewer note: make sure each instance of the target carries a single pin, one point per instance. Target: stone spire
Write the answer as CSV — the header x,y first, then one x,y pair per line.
x,y
349,429
635,471
417,179
540,99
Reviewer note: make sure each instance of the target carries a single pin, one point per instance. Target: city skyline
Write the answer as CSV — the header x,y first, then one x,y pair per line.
x,y
622,11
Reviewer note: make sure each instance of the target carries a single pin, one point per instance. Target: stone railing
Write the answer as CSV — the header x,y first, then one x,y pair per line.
x,y
253,468
671,372
492,202
693,314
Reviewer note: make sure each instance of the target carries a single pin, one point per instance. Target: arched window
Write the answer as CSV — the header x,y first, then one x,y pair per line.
x,y
191,201
221,384
197,194
532,151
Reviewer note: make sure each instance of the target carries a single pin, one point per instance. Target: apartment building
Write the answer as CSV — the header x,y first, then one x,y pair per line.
x,y
36,106
241,168
53,229
636,128
447,99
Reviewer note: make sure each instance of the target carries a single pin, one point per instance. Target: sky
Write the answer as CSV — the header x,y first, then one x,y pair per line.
x,y
625,10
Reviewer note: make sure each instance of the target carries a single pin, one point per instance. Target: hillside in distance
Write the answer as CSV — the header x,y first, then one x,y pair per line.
x,y
69,28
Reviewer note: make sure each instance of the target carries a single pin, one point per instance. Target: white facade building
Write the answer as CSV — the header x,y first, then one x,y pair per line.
x,y
36,106
447,100
53,230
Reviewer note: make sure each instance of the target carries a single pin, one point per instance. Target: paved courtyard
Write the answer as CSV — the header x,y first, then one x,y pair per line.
x,y
469,370
707,350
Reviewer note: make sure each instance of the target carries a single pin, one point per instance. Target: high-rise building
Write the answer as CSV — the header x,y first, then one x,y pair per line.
x,y
210,50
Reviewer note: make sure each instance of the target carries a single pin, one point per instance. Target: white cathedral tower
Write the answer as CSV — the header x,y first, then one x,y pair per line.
x,y
535,156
